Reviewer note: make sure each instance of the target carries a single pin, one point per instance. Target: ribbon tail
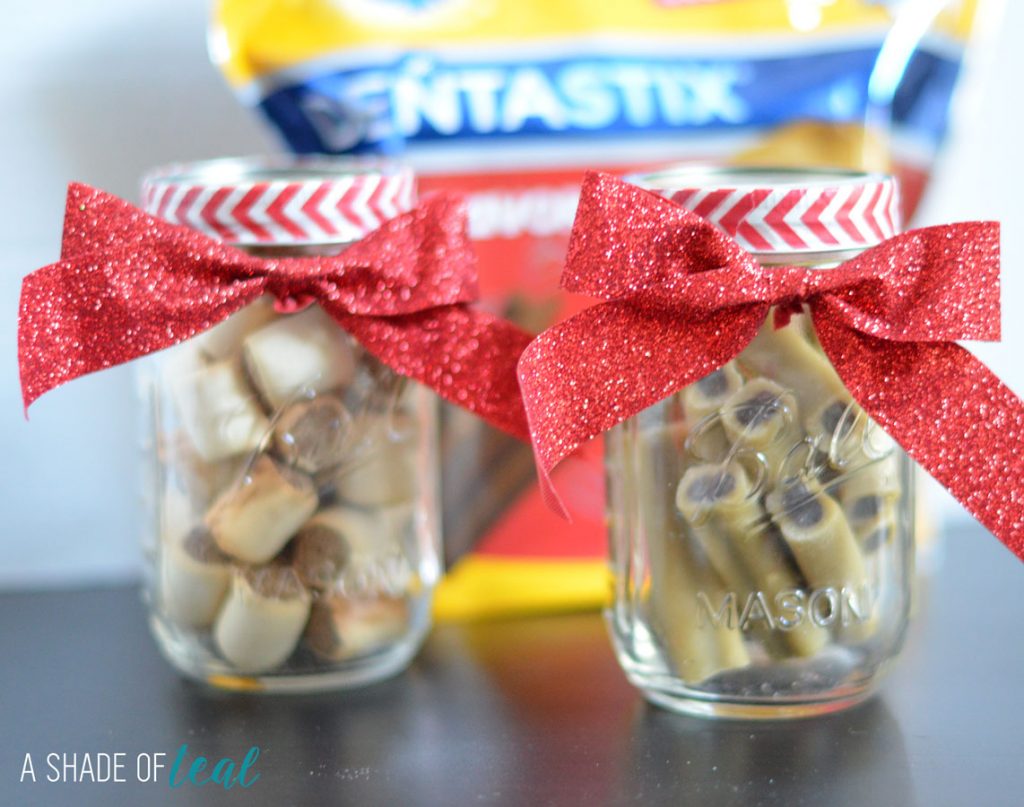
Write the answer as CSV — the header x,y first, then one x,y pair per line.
x,y
949,412
466,356
612,361
76,317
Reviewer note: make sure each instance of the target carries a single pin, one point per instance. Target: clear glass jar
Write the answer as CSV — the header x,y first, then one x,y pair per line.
x,y
760,523
295,542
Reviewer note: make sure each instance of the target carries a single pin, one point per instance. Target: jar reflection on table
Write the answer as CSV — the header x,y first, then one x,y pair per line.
x,y
761,529
296,499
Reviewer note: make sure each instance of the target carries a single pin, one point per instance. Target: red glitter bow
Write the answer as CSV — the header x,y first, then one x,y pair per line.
x,y
683,299
129,284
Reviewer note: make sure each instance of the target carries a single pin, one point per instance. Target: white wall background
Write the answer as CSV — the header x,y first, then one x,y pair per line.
x,y
100,90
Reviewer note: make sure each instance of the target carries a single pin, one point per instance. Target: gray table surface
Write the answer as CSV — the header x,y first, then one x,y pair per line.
x,y
523,712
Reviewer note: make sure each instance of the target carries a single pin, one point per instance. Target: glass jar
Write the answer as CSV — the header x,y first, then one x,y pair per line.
x,y
760,523
295,542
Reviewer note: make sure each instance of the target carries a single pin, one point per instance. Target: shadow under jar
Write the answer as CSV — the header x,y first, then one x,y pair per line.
x,y
295,542
761,525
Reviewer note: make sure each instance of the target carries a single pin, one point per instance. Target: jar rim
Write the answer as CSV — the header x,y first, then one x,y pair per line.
x,y
281,200
807,214
741,177
266,167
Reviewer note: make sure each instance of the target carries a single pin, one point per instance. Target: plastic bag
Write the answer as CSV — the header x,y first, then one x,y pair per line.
x,y
510,100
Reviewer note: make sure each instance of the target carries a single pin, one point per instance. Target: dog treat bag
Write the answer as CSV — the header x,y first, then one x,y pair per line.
x,y
509,101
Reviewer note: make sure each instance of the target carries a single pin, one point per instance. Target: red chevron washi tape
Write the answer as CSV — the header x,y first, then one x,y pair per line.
x,y
779,211
306,202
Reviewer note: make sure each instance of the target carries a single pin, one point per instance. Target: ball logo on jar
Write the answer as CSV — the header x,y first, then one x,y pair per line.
x,y
772,447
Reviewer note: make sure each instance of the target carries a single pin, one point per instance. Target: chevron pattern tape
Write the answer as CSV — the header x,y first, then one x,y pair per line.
x,y
794,218
333,208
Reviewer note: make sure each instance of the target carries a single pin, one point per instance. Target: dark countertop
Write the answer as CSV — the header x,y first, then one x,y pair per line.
x,y
523,712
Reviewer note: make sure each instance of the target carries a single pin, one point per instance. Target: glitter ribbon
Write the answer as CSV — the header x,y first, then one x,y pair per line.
x,y
683,298
129,284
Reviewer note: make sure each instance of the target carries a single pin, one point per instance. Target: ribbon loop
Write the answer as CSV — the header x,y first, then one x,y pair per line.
x,y
636,241
928,285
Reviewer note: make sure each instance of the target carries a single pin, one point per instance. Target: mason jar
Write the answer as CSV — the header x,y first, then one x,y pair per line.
x,y
294,480
760,523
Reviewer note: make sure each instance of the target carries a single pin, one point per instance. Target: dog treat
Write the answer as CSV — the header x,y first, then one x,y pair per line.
x,y
379,550
296,353
359,552
818,535
761,416
369,534
720,500
340,628
730,650
853,440
176,513
218,411
719,550
320,550
803,323
821,540
869,496
837,425
194,576
377,389
829,416
262,618
253,520
382,464
786,357
724,558
696,651
203,481
704,398
707,395
313,435
224,340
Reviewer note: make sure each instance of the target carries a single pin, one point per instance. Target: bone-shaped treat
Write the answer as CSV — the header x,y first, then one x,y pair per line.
x,y
701,403
219,412
224,340
253,520
341,628
313,435
262,618
381,467
194,576
298,353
